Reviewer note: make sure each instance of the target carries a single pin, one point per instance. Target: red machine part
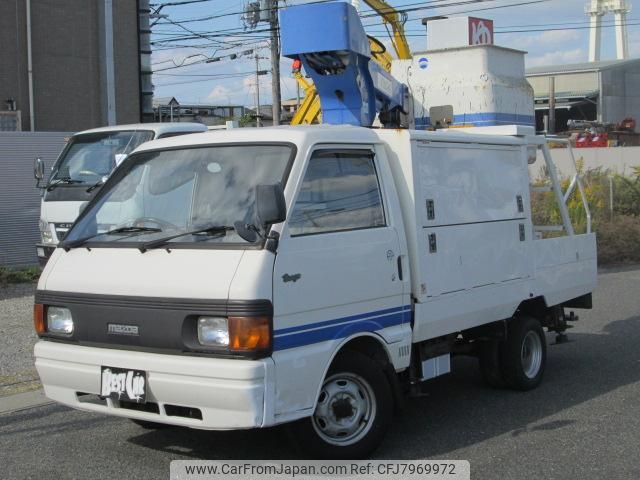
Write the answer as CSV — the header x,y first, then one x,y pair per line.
x,y
592,140
628,124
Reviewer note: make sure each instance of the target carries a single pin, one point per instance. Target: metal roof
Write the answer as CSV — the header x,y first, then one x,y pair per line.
x,y
306,135
574,94
165,101
580,67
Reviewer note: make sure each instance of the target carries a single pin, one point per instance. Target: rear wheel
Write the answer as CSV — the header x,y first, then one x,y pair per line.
x,y
353,411
523,356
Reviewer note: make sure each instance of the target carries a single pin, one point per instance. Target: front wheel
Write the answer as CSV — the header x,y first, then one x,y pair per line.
x,y
523,356
353,412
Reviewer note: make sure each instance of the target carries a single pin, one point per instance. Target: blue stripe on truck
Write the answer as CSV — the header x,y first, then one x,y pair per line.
x,y
299,336
484,119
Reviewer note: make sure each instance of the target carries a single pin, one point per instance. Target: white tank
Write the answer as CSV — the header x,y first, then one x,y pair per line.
x,y
469,86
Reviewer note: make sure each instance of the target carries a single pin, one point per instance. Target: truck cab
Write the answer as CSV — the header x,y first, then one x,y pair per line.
x,y
306,275
85,163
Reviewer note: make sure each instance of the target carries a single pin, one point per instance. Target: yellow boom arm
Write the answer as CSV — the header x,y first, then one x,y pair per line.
x,y
396,19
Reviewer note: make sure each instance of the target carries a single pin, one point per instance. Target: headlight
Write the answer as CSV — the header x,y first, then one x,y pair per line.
x,y
45,232
59,321
213,331
242,335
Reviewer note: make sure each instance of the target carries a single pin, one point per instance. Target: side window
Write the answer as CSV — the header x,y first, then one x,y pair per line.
x,y
340,191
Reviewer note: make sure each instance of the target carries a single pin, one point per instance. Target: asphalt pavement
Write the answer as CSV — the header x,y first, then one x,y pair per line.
x,y
583,422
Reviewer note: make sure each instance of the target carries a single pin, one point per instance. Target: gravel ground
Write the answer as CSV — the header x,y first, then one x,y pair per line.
x,y
17,337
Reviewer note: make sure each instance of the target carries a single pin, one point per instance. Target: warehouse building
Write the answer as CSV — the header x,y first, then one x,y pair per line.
x,y
68,65
606,91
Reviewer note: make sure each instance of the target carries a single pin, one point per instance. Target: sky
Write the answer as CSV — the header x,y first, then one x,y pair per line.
x,y
556,33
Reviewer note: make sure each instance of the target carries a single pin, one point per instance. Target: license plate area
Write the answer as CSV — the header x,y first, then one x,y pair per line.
x,y
123,384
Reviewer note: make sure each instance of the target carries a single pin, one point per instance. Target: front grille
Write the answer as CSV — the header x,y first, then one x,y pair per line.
x,y
141,407
180,411
84,397
148,407
61,230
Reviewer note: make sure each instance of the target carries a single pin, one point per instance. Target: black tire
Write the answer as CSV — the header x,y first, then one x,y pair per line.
x,y
490,366
523,365
367,379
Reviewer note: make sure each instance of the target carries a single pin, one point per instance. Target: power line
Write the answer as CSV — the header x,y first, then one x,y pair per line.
x,y
202,74
499,29
400,9
251,35
207,59
222,15
175,4
188,82
566,28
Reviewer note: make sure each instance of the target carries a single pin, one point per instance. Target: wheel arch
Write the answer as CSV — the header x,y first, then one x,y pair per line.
x,y
374,347
535,307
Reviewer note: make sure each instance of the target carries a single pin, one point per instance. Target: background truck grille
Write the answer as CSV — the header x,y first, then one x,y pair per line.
x,y
62,229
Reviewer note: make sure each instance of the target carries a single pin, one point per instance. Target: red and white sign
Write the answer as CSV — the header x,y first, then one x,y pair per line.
x,y
480,31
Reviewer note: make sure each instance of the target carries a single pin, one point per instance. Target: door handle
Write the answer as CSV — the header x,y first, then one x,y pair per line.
x,y
400,267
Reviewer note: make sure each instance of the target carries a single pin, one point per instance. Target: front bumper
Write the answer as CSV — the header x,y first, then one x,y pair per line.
x,y
44,253
228,393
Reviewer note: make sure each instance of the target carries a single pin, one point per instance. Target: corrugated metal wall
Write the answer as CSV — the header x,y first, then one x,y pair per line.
x,y
19,199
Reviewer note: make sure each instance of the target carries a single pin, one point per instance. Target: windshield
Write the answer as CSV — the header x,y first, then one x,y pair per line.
x,y
163,193
90,157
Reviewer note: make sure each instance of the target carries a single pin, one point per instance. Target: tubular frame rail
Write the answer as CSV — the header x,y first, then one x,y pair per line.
x,y
563,197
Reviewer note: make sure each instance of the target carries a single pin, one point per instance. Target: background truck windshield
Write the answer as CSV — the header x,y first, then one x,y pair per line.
x,y
175,191
90,157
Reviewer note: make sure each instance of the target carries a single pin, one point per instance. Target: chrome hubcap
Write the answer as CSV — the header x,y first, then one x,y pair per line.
x,y
531,354
346,409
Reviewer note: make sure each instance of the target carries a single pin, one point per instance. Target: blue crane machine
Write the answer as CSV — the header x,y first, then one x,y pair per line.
x,y
330,41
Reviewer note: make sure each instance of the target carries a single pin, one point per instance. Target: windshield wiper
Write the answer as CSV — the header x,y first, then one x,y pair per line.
x,y
99,183
81,241
62,181
211,229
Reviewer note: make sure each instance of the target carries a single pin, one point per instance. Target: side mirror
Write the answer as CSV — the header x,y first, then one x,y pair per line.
x,y
271,208
270,204
38,169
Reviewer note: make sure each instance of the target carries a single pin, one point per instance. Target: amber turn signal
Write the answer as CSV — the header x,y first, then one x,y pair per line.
x,y
38,318
249,334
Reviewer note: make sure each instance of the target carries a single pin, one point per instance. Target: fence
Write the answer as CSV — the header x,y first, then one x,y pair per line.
x,y
619,160
19,199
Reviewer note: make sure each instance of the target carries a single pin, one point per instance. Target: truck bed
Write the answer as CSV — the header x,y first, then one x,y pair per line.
x,y
473,251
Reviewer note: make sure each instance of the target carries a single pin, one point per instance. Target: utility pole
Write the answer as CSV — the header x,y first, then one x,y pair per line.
x,y
258,115
552,105
146,84
275,61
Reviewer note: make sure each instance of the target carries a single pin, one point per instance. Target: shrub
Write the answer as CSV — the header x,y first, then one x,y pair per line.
x,y
617,228
22,275
619,240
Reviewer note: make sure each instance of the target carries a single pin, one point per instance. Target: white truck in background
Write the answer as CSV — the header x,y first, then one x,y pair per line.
x,y
87,160
313,275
